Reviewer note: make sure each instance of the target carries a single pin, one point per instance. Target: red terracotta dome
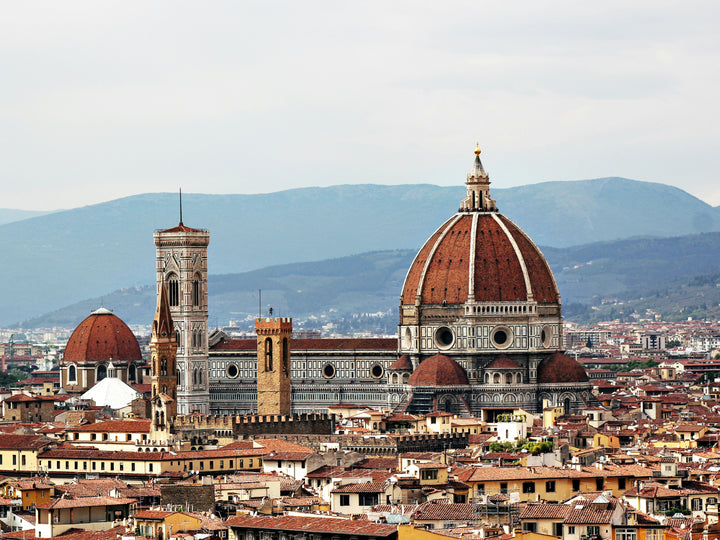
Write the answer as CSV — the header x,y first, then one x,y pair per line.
x,y
438,370
560,368
503,362
100,337
480,256
402,364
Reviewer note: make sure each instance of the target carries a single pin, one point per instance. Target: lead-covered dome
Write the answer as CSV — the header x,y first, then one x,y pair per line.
x,y
102,336
438,370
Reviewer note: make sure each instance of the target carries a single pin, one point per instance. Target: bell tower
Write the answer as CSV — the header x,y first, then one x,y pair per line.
x,y
273,365
181,266
163,352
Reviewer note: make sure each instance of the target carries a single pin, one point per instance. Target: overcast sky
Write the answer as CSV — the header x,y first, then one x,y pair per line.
x,y
100,99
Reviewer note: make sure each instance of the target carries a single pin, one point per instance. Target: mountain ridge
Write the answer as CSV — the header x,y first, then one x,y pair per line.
x,y
369,285
63,257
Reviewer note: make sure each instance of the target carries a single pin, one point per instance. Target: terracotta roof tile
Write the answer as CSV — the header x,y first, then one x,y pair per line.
x,y
23,442
313,525
101,337
86,501
402,364
445,511
361,487
438,370
545,511
503,362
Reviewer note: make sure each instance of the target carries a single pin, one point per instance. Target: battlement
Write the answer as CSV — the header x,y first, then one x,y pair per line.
x,y
265,325
242,425
382,444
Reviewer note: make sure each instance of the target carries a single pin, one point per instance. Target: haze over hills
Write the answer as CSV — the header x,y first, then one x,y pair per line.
x,y
57,259
8,215
371,283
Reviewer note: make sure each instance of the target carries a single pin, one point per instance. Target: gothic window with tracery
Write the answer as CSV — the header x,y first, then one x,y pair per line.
x,y
196,290
173,290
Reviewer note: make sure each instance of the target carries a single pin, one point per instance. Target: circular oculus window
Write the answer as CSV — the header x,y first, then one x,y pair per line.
x,y
501,337
328,371
546,336
444,337
376,371
232,371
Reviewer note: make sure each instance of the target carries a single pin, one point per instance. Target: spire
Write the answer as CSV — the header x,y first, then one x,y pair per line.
x,y
478,188
163,323
181,207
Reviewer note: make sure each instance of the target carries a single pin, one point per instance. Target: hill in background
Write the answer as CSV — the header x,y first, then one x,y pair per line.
x,y
8,215
677,277
61,258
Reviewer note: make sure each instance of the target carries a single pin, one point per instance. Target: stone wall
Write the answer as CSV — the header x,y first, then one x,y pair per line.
x,y
191,497
252,425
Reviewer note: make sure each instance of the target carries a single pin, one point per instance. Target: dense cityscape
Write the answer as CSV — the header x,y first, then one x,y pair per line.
x,y
258,284
486,416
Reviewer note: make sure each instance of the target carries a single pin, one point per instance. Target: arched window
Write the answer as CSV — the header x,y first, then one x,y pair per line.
x,y
286,355
101,373
194,376
132,373
196,290
178,378
173,290
72,374
566,405
200,376
487,378
163,366
496,378
518,378
268,354
508,378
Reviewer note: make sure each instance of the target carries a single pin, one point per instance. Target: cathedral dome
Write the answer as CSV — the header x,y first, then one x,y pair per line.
x,y
401,364
102,336
438,370
479,257
503,362
560,368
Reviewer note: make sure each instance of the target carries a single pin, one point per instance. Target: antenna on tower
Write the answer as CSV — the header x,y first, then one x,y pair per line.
x,y
259,303
181,206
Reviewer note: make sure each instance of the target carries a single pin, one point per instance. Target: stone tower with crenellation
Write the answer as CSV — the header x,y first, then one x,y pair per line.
x,y
181,264
273,365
